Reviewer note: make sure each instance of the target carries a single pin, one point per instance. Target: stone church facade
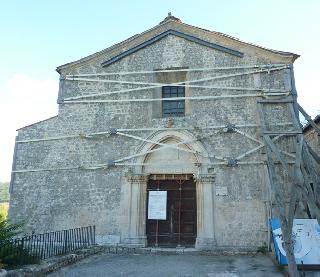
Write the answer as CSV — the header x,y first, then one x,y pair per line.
x,y
115,140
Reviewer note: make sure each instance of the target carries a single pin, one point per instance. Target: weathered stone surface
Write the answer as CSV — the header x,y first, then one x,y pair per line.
x,y
114,202
158,265
312,137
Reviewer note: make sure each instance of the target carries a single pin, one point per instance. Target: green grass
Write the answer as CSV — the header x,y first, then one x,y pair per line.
x,y
4,210
280,268
263,249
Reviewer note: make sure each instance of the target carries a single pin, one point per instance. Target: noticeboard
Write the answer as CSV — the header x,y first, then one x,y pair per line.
x,y
157,205
306,236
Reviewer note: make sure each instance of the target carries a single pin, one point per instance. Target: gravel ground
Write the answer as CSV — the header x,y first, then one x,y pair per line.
x,y
171,265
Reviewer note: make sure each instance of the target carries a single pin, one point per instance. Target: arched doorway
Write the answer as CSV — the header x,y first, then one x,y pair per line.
x,y
173,153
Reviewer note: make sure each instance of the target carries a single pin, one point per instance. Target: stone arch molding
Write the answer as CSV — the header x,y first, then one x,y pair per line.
x,y
195,161
133,202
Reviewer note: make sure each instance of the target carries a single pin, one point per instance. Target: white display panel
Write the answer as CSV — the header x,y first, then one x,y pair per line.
x,y
157,205
306,237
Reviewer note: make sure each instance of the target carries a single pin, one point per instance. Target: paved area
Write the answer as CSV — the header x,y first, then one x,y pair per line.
x,y
171,265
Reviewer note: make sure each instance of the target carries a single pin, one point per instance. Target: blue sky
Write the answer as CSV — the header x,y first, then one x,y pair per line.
x,y
38,36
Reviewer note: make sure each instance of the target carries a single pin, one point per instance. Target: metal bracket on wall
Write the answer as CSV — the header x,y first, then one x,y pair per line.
x,y
232,162
110,163
230,128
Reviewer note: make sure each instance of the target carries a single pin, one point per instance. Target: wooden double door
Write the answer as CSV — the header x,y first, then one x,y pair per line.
x,y
179,228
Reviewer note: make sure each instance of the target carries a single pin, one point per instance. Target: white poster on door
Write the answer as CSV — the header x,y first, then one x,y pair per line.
x,y
157,205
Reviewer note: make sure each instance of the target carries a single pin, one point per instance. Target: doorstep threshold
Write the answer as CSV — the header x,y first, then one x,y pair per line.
x,y
171,249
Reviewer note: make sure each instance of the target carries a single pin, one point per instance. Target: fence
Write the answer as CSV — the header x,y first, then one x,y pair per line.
x,y
42,246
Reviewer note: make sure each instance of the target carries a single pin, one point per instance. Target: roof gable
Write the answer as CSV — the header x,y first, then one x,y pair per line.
x,y
175,33
173,26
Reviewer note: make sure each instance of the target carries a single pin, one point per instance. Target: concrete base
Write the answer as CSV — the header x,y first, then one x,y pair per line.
x,y
135,242
205,243
190,264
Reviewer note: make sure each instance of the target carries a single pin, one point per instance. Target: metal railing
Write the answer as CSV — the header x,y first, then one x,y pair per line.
x,y
43,246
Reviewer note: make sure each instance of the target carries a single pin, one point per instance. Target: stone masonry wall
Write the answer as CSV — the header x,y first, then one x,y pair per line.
x,y
59,199
313,139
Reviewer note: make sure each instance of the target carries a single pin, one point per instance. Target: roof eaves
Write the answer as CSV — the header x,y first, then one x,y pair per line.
x,y
37,122
168,21
59,68
282,53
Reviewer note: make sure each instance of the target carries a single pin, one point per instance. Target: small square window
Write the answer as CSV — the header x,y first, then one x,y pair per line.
x,y
173,107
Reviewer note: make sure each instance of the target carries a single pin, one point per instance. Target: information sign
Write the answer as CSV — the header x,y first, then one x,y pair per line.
x,y
306,237
157,205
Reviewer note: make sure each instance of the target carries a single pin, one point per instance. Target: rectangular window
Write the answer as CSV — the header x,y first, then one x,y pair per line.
x,y
173,107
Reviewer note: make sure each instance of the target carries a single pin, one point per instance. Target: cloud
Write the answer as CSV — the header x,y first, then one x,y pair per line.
x,y
29,99
24,100
308,98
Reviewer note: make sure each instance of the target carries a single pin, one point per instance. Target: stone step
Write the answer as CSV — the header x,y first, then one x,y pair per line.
x,y
125,249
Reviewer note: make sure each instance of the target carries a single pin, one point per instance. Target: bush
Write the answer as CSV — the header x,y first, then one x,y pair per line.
x,y
12,256
12,252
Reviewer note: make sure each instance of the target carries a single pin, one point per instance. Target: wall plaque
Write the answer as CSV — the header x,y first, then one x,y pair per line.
x,y
221,191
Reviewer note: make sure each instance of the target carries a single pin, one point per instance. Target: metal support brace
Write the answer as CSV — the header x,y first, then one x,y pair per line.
x,y
161,148
159,143
309,119
172,84
113,131
141,100
202,69
150,84
110,163
143,130
232,162
230,128
275,150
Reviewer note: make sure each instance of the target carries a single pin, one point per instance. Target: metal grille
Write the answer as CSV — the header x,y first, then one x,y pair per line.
x,y
42,246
